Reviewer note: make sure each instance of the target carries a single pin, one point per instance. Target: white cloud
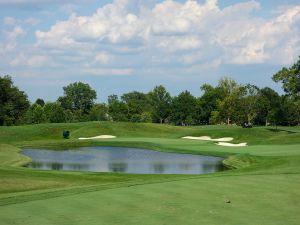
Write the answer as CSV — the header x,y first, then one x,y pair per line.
x,y
110,23
16,32
30,61
103,57
175,43
9,39
108,71
11,21
240,36
276,40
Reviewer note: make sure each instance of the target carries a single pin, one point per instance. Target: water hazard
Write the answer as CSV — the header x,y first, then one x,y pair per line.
x,y
122,160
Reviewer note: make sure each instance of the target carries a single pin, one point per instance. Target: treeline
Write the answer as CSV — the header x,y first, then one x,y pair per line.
x,y
226,103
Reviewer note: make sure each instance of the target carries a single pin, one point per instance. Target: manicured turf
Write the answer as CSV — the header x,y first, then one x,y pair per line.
x,y
265,189
253,200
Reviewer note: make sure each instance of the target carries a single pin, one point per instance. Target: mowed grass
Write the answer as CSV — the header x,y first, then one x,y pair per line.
x,y
264,189
261,199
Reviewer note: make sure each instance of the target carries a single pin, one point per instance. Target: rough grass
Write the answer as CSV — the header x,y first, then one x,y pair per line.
x,y
9,156
262,189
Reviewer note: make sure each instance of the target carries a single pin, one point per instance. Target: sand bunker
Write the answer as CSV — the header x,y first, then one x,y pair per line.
x,y
232,145
207,138
221,141
98,137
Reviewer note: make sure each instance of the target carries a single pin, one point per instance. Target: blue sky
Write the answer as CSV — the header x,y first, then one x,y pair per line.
x,y
124,45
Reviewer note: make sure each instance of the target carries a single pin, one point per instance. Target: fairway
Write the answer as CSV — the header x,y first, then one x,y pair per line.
x,y
263,187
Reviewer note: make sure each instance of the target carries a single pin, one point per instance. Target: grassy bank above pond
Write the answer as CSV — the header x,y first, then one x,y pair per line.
x,y
264,190
53,132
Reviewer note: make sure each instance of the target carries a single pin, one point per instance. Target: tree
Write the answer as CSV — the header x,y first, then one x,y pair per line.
x,y
268,102
35,114
290,78
146,117
117,109
137,102
54,112
13,102
214,117
78,97
40,102
208,103
183,109
290,111
99,112
249,102
229,105
161,102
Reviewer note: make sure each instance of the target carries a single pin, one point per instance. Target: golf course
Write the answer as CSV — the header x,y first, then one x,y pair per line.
x,y
261,185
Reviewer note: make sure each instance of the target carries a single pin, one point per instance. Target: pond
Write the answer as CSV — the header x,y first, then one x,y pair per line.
x,y
122,160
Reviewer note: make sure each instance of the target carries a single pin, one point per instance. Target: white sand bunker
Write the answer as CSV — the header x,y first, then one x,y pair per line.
x,y
232,145
98,137
207,138
221,141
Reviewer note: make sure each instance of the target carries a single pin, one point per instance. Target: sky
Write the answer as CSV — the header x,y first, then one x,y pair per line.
x,y
120,46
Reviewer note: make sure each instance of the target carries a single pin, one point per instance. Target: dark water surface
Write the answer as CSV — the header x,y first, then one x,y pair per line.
x,y
123,160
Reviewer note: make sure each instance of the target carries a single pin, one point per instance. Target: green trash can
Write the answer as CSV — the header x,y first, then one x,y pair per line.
x,y
66,134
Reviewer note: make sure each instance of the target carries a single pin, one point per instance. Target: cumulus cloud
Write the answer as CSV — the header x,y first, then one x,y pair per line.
x,y
30,61
179,43
110,23
232,35
9,39
262,41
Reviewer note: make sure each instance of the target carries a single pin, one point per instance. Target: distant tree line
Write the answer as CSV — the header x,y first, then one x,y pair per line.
x,y
226,103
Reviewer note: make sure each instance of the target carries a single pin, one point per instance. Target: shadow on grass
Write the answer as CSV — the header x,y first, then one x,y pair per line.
x,y
281,130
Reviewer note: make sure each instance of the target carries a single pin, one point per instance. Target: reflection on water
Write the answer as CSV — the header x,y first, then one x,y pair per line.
x,y
55,166
118,167
122,160
158,167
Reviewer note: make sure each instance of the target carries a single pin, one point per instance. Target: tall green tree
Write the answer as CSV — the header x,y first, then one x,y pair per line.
x,y
99,112
137,103
290,111
35,114
78,97
290,79
268,106
208,103
161,101
229,105
54,112
118,110
40,102
183,109
13,102
249,102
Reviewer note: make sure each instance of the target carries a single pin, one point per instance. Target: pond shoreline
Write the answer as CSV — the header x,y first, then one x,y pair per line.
x,y
124,160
